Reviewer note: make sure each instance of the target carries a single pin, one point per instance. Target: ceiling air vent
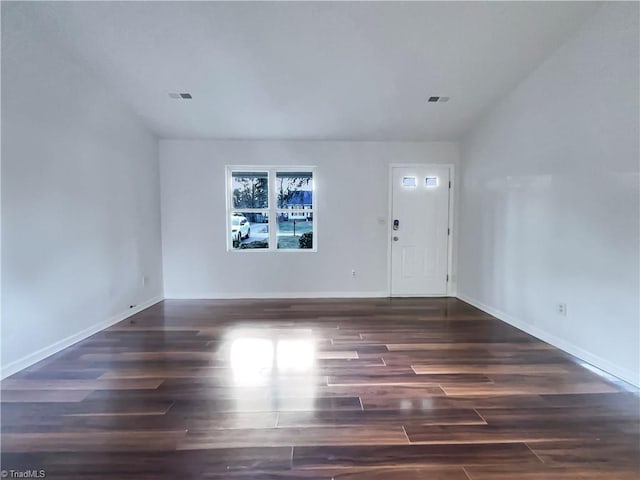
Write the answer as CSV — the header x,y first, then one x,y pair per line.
x,y
182,96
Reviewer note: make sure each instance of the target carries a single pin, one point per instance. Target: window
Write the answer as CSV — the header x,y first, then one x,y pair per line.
x,y
271,209
431,181
409,181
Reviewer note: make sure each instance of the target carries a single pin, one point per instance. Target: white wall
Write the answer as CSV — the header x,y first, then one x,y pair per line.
x,y
80,201
549,207
352,195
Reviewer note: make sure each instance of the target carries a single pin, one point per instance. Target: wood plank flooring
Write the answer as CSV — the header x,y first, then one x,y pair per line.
x,y
375,389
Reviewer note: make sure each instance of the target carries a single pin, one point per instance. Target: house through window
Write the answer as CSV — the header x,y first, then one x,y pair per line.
x,y
271,209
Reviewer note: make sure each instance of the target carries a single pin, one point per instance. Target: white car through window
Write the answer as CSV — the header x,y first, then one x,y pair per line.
x,y
240,227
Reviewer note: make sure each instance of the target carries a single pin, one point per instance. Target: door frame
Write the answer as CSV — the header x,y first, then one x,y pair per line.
x,y
452,234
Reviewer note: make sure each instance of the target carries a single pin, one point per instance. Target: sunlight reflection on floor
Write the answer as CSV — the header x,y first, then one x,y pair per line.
x,y
284,364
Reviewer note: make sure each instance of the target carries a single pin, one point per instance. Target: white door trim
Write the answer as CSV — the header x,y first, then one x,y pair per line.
x,y
450,241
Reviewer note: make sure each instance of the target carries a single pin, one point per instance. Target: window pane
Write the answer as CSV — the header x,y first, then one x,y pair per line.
x,y
249,230
295,232
431,181
250,189
295,189
409,181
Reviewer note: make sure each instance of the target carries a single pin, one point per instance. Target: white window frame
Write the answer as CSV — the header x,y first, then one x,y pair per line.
x,y
272,209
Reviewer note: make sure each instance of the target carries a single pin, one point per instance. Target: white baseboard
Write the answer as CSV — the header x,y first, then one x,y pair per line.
x,y
595,360
274,295
30,359
421,295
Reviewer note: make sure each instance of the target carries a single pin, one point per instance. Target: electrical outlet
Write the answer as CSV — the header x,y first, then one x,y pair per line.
x,y
562,309
353,273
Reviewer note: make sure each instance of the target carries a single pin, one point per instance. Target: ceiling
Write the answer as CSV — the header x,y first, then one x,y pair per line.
x,y
308,70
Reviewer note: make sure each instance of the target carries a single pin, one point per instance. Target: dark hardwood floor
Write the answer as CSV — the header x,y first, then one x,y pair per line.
x,y
380,389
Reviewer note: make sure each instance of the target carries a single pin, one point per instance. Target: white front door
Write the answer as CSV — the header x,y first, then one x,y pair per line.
x,y
419,230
